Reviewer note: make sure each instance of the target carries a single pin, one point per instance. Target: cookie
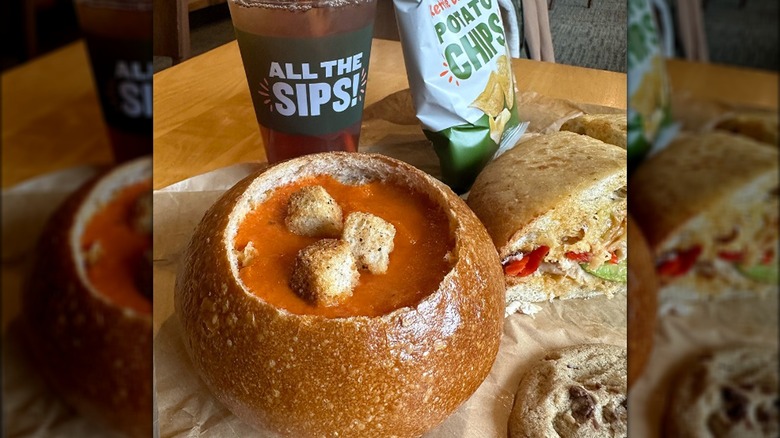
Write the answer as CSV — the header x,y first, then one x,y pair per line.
x,y
577,391
726,393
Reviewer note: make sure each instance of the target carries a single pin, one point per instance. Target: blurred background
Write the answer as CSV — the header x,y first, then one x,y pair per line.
x,y
703,189
583,33
31,28
76,100
734,32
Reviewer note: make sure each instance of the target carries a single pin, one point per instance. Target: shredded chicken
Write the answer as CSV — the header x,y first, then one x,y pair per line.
x,y
566,267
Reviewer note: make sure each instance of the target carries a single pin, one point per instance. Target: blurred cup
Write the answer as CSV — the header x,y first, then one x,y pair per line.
x,y
306,63
119,39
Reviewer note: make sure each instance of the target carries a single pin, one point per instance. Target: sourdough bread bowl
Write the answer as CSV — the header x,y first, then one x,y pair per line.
x,y
294,373
91,341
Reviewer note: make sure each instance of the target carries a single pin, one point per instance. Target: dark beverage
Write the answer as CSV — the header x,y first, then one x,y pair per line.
x,y
119,40
306,64
281,146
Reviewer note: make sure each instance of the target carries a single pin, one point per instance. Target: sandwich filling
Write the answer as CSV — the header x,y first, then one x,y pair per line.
x,y
116,247
736,242
588,245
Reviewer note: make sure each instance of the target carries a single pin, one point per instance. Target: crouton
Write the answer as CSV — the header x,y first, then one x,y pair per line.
x,y
93,253
247,255
325,273
371,240
312,212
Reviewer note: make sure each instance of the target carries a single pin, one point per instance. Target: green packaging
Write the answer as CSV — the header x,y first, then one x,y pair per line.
x,y
460,75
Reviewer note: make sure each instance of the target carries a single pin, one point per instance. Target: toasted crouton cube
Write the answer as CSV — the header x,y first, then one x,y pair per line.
x,y
325,272
247,255
312,212
93,253
370,239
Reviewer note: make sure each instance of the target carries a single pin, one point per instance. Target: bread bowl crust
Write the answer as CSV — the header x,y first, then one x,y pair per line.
x,y
642,302
399,374
97,356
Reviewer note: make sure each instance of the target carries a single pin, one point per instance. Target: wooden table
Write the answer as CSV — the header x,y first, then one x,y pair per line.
x,y
737,86
51,116
204,118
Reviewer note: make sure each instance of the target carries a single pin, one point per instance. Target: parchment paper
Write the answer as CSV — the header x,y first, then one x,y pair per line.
x,y
187,408
691,327
30,409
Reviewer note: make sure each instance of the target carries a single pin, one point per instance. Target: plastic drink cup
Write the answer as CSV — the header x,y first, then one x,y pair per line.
x,y
118,34
306,64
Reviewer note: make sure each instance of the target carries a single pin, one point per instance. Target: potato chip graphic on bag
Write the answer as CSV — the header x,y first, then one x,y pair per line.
x,y
466,106
491,100
498,125
505,80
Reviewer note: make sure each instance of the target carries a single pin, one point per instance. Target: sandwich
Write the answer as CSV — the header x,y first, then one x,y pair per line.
x,y
609,128
555,207
708,204
758,125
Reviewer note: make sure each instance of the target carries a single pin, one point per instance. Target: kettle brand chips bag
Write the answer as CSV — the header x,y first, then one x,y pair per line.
x,y
461,80
650,124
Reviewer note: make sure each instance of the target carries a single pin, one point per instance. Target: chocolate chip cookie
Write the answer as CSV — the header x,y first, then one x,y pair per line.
x,y
726,393
573,392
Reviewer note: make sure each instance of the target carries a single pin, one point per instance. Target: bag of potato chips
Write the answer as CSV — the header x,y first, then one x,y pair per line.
x,y
650,122
461,80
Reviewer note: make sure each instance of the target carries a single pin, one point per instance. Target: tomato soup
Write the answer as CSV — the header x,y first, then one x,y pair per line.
x,y
417,266
113,270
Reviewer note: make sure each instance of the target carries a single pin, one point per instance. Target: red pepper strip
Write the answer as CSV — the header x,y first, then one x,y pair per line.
x,y
731,256
670,268
769,255
528,264
681,263
582,257
614,258
515,267
534,260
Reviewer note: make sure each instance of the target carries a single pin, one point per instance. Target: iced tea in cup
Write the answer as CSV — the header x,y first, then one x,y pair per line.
x,y
119,39
306,64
